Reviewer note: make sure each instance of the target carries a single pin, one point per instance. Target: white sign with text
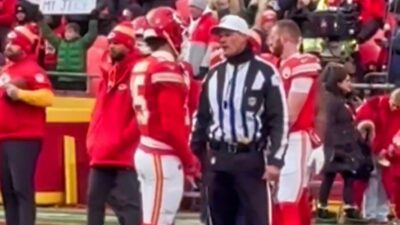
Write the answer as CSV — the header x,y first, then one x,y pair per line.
x,y
67,7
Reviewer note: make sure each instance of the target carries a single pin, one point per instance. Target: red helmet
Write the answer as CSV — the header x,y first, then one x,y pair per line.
x,y
165,23
140,25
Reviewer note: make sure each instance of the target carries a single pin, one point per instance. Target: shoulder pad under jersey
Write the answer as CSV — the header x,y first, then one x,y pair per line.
x,y
167,72
303,65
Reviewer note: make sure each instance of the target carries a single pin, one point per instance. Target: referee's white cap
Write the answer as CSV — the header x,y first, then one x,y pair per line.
x,y
232,23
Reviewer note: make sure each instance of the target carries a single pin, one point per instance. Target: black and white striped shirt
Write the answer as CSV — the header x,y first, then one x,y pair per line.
x,y
243,103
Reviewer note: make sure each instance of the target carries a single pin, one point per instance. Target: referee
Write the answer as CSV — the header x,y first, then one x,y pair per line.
x,y
243,120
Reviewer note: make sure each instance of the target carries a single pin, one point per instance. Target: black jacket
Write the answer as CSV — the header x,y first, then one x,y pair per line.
x,y
341,147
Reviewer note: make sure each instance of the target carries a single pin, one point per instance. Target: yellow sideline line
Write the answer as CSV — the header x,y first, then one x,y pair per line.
x,y
70,173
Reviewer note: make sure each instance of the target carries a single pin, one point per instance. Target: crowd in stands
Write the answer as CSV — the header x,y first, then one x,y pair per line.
x,y
84,36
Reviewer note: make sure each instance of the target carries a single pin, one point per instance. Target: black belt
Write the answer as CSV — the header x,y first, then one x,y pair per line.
x,y
235,148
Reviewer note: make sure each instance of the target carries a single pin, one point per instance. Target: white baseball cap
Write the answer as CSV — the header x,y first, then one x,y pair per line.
x,y
232,23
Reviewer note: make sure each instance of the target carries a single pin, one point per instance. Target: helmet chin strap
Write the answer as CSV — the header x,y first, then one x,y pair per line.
x,y
171,44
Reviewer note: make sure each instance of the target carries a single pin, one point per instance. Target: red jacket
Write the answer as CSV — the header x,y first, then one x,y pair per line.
x,y
113,132
7,12
376,111
18,119
201,42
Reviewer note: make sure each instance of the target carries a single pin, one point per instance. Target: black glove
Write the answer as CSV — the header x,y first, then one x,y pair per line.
x,y
94,15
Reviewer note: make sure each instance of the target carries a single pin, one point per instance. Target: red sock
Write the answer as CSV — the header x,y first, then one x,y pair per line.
x,y
291,213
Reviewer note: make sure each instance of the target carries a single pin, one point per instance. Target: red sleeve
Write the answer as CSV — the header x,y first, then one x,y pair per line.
x,y
171,101
39,80
367,111
7,12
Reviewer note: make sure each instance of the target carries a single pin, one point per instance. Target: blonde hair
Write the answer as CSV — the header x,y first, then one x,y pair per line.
x,y
395,96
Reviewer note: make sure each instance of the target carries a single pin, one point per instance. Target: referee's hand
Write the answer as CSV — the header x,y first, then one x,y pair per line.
x,y
271,174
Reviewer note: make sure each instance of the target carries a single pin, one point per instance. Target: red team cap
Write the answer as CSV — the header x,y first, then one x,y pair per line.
x,y
165,23
123,34
139,25
23,36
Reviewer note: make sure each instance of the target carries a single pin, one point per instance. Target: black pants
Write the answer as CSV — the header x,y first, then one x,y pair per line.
x,y
238,189
18,163
326,187
119,188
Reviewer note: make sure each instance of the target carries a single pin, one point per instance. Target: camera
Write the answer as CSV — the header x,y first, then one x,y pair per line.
x,y
339,24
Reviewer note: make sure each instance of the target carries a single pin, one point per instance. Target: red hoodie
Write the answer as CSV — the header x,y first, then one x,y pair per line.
x,y
113,132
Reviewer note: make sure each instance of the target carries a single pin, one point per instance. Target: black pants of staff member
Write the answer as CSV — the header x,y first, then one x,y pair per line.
x,y
326,187
236,184
18,166
120,189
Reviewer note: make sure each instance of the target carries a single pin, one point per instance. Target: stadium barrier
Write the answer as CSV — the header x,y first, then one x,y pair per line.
x,y
74,84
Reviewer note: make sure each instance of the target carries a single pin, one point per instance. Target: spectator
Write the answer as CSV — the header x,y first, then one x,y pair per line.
x,y
25,12
201,40
71,51
131,12
115,7
225,7
341,148
48,54
268,20
7,16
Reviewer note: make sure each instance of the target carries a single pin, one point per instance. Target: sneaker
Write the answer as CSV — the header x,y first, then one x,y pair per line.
x,y
323,215
353,216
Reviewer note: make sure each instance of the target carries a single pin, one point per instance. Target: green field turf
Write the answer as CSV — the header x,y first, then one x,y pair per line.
x,y
60,216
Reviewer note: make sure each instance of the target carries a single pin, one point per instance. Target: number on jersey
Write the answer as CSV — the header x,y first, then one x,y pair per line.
x,y
139,101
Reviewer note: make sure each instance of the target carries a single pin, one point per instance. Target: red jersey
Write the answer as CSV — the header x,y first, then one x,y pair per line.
x,y
296,72
160,91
